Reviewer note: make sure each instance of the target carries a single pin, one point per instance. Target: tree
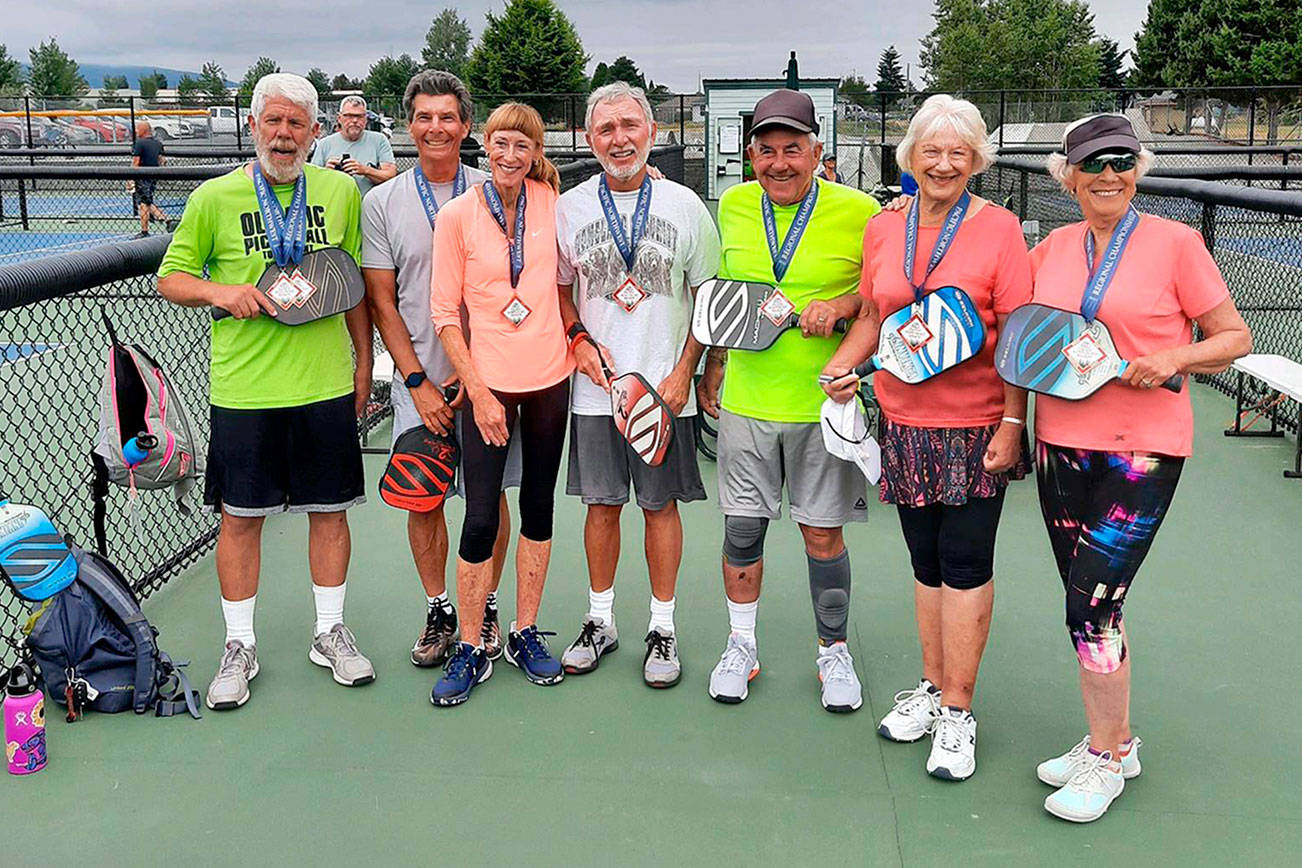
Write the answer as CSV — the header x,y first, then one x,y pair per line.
x,y
1013,44
388,76
11,74
530,48
262,66
343,82
447,43
320,81
189,88
115,82
53,72
625,70
1111,77
148,87
890,77
600,75
855,91
160,79
1155,43
213,81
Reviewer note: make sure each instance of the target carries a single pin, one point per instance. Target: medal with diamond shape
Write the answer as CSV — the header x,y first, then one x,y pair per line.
x,y
516,311
915,333
777,307
629,295
1084,354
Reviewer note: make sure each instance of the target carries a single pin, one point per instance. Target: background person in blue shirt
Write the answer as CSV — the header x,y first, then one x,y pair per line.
x,y
362,153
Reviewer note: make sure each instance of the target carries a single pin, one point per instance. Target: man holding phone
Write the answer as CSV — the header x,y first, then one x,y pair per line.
x,y
362,153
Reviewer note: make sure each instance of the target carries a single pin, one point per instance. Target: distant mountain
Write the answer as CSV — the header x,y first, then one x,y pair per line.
x,y
94,73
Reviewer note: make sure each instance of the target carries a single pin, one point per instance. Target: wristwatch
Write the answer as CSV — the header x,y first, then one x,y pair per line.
x,y
414,379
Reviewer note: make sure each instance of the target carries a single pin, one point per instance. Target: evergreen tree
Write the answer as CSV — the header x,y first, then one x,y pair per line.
x,y
212,81
890,77
447,44
388,76
11,74
530,48
320,81
262,66
53,72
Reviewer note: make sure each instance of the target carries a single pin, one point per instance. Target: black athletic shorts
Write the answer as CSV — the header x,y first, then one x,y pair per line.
x,y
144,192
300,459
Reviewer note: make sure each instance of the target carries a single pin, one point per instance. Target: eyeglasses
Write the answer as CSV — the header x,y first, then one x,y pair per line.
x,y
1097,163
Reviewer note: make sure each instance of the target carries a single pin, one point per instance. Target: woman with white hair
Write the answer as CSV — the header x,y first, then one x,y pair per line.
x,y
1107,467
951,444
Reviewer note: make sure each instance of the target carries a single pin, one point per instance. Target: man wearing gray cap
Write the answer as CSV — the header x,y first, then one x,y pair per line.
x,y
804,236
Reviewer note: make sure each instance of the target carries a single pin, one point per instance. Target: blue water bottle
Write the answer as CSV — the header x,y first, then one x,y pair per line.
x,y
137,449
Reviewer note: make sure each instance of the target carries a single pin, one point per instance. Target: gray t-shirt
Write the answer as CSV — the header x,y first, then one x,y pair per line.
x,y
372,149
396,235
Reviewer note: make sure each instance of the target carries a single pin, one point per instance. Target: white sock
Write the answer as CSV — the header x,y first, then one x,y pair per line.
x,y
741,618
238,615
491,602
329,606
601,604
662,614
441,601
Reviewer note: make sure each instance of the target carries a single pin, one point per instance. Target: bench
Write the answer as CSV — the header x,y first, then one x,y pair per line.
x,y
1284,377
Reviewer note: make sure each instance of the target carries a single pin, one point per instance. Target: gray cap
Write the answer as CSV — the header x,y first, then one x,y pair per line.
x,y
785,108
1098,133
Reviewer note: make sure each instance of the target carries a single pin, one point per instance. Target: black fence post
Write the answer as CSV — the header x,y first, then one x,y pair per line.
x,y
1021,195
131,106
239,128
881,102
1209,225
31,143
574,125
682,120
1003,105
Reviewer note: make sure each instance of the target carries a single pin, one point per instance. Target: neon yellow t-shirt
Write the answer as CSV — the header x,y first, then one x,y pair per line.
x,y
780,384
259,363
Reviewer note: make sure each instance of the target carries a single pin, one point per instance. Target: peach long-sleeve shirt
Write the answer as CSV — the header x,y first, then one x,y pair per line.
x,y
471,266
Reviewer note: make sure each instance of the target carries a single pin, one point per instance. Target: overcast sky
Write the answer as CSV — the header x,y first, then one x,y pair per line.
x,y
674,42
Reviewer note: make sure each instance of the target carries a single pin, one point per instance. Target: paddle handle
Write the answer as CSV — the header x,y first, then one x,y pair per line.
x,y
450,392
1175,384
219,313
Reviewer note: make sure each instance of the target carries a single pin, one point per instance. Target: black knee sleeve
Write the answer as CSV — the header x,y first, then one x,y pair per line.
x,y
478,533
743,539
829,587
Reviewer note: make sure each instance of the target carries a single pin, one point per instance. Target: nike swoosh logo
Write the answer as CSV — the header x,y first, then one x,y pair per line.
x,y
534,234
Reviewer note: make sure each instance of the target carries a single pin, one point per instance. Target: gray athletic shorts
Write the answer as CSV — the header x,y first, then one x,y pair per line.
x,y
757,457
601,466
405,418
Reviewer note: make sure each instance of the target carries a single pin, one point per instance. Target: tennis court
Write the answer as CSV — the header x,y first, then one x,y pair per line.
x,y
601,770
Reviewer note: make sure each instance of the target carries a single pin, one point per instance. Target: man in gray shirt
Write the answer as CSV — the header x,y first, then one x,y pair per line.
x,y
397,253
362,153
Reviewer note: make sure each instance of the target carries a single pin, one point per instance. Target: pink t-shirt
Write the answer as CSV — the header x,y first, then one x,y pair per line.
x,y
1165,280
988,261
471,266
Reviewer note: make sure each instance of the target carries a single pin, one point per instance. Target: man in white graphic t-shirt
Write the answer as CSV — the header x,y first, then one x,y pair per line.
x,y
632,250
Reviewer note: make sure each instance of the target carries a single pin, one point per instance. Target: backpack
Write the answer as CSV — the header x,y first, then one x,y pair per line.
x,y
96,650
138,398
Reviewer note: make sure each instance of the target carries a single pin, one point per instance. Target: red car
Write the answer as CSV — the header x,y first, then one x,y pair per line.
x,y
108,129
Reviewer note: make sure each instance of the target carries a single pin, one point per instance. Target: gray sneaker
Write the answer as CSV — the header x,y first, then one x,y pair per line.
x,y
337,650
584,653
730,680
660,667
841,690
230,686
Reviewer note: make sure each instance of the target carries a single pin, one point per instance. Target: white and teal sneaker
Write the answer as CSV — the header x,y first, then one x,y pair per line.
x,y
1058,771
1089,793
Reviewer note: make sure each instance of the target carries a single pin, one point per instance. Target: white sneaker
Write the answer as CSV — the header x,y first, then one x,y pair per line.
x,y
739,663
914,714
1089,793
841,689
1058,771
953,745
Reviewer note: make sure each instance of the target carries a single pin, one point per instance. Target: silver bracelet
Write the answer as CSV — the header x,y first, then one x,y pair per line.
x,y
1014,420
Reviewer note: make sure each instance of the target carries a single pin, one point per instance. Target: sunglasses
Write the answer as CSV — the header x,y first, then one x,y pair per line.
x,y
1097,163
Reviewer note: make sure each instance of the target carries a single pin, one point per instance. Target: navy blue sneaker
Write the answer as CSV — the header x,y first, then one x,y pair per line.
x,y
466,667
528,650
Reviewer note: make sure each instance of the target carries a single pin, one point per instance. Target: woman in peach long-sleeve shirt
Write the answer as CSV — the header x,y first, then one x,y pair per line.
x,y
495,252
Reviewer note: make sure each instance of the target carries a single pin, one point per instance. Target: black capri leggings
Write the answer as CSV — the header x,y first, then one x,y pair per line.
x,y
543,415
953,545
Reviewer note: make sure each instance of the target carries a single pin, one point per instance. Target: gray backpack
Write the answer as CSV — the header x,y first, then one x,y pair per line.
x,y
138,398
96,651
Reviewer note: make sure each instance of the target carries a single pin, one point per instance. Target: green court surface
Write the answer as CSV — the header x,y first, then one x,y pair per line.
x,y
601,770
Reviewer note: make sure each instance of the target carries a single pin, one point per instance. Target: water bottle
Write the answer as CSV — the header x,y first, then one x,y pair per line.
x,y
137,448
24,711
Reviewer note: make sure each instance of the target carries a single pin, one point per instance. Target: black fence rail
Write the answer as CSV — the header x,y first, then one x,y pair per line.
x,y
52,357
1254,234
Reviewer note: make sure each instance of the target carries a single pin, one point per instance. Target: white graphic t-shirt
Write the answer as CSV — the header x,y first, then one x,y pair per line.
x,y
645,322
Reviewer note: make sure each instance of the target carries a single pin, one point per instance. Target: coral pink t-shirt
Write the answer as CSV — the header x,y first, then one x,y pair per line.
x,y
471,267
988,261
1165,280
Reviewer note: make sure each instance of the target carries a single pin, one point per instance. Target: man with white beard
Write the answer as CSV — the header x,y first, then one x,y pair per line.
x,y
632,250
283,401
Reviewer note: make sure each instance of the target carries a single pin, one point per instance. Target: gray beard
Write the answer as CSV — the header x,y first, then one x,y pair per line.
x,y
264,160
628,173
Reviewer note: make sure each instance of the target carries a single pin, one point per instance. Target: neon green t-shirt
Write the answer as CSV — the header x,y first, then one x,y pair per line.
x,y
259,363
780,384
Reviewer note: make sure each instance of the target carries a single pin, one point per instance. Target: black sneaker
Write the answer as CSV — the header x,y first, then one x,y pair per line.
x,y
440,631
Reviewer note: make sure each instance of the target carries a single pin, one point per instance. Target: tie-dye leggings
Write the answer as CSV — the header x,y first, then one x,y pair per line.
x,y
1102,510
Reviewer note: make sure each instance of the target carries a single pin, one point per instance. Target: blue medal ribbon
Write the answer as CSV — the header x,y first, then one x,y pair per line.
x,y
782,256
286,228
427,194
1100,280
515,245
626,244
948,229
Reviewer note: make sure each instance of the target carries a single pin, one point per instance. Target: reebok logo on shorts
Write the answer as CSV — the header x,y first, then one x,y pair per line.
x,y
861,504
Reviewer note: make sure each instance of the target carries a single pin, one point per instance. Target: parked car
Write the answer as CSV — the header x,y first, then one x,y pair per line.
x,y
106,129
77,134
13,132
222,119
170,127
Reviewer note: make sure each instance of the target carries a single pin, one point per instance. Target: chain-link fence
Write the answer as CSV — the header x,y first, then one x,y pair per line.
x,y
1254,234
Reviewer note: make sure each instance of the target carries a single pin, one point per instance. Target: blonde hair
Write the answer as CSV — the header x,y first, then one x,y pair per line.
x,y
943,112
1061,171
520,118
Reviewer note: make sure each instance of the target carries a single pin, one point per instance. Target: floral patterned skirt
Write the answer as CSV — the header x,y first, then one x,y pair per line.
x,y
922,466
